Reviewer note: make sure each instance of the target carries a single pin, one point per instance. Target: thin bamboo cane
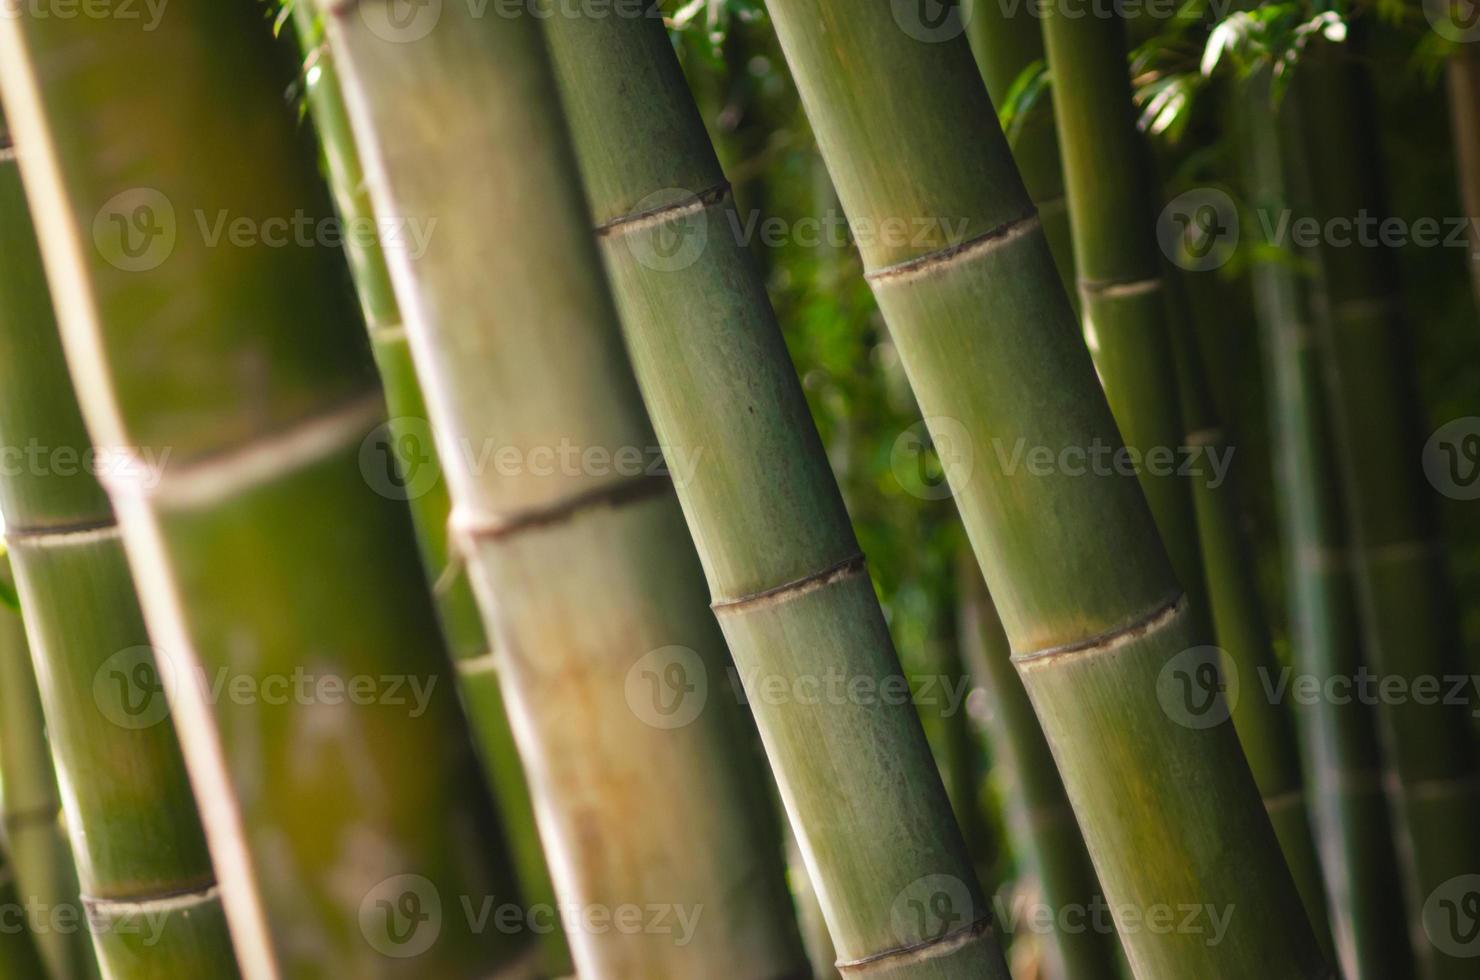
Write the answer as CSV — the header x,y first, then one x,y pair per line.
x,y
783,564
1169,812
135,832
641,765
1006,38
1464,111
348,823
1339,741
418,477
1403,589
1265,724
41,888
1119,269
1040,821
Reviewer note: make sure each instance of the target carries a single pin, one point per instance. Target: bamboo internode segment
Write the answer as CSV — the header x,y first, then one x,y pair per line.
x,y
640,763
255,567
789,586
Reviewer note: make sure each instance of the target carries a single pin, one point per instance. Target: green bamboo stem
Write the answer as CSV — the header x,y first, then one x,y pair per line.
x,y
1119,269
39,870
421,481
1403,589
1339,741
783,564
1087,596
614,669
342,819
1039,820
1463,76
1265,725
1006,39
135,832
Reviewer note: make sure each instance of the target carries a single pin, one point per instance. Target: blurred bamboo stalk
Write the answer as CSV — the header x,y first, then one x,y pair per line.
x,y
1403,589
1169,812
38,868
1463,75
136,834
1343,761
350,827
410,450
788,581
641,763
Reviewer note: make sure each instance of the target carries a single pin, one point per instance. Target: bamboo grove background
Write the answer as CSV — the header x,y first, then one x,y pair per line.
x,y
637,237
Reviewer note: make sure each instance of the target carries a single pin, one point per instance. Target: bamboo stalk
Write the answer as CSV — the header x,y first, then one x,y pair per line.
x,y
1170,813
1463,76
346,830
1339,741
1006,39
135,832
1040,822
409,447
1120,281
614,669
1403,589
782,561
40,875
